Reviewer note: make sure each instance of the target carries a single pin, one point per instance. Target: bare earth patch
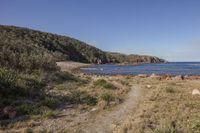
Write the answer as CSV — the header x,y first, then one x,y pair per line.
x,y
69,66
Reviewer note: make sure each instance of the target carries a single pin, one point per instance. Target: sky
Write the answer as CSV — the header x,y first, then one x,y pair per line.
x,y
169,29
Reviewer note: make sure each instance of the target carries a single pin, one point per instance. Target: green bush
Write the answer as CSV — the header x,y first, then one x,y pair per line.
x,y
82,97
28,109
170,89
14,84
196,126
107,97
103,83
49,114
51,102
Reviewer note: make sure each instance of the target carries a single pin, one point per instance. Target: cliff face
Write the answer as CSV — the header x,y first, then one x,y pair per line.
x,y
61,48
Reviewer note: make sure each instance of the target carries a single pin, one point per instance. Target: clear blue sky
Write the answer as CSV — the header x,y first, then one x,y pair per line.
x,y
166,28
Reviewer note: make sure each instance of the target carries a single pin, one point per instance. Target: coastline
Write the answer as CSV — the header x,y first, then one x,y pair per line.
x,y
75,67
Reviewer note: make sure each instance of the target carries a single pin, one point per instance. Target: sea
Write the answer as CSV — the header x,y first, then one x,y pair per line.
x,y
170,68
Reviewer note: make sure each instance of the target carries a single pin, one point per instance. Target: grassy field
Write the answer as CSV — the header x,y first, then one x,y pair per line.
x,y
167,107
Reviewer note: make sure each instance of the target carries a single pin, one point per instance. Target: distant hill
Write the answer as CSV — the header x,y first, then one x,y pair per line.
x,y
32,42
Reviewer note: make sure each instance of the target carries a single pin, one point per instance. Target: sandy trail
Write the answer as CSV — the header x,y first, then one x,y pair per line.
x,y
103,122
108,121
70,66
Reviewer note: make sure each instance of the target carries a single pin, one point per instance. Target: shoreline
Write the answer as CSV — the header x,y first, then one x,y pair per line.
x,y
75,67
151,76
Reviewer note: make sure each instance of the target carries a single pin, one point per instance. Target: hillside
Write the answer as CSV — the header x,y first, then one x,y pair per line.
x,y
122,58
59,48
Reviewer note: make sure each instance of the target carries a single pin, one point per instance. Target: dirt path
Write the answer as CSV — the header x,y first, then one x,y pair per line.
x,y
109,120
93,122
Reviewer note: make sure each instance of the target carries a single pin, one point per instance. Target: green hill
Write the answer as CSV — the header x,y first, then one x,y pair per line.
x,y
20,41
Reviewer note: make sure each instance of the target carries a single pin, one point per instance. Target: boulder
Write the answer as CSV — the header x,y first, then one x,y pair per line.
x,y
142,75
94,109
195,92
168,78
148,86
178,77
156,76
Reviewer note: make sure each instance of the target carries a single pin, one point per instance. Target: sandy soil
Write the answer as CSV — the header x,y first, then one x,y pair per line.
x,y
70,66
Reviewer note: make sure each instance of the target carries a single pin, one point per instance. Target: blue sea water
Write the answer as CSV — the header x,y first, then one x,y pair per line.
x,y
171,68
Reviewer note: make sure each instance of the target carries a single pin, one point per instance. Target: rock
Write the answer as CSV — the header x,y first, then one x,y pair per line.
x,y
112,103
142,75
186,77
168,78
148,86
193,77
195,92
179,77
94,109
156,76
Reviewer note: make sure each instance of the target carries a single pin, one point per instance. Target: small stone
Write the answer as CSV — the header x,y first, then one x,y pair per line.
x,y
142,75
168,78
195,92
93,109
155,76
179,77
148,86
113,103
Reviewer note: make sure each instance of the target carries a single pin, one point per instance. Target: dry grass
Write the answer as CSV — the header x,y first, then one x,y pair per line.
x,y
166,106
169,107
84,95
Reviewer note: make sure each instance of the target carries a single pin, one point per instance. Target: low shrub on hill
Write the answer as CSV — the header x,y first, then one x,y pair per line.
x,y
103,83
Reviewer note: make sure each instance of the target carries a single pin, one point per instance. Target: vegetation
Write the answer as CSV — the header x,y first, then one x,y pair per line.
x,y
123,58
27,42
107,97
167,107
29,74
105,84
50,114
83,98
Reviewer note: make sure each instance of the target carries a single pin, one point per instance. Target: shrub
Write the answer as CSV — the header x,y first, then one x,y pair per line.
x,y
51,102
126,83
28,109
107,97
14,84
82,97
7,82
196,126
170,90
49,114
103,83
